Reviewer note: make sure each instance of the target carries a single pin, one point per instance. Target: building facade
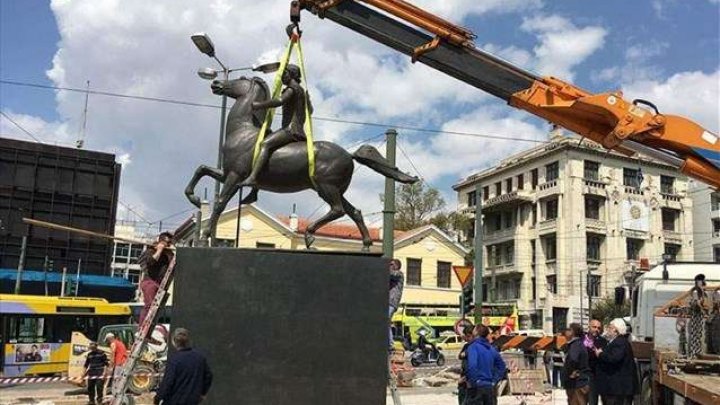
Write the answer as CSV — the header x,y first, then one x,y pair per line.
x,y
706,204
427,253
566,220
125,254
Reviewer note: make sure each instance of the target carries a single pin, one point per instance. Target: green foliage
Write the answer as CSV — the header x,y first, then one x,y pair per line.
x,y
415,204
605,310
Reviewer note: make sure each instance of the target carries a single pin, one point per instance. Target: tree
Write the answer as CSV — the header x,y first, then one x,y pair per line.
x,y
452,222
414,205
605,310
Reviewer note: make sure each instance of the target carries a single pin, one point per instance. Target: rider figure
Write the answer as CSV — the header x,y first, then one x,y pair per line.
x,y
292,100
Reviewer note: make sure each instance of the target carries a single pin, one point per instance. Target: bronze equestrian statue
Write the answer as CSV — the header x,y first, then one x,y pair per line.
x,y
282,165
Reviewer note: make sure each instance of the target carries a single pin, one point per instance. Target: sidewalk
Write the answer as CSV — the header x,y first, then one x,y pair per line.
x,y
445,396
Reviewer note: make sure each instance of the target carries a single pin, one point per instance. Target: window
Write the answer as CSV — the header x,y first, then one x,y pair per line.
x,y
443,274
508,219
534,288
631,177
414,267
633,248
263,245
486,193
552,171
673,250
533,251
592,208
716,253
496,221
593,288
520,181
550,247
498,188
508,185
509,290
136,251
471,231
534,178
494,255
668,219
471,199
594,242
534,215
591,170
509,253
552,284
715,202
667,184
224,242
122,249
551,209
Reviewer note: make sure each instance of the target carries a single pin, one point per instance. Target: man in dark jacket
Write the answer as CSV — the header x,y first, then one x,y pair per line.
x,y
187,376
617,377
576,371
397,281
594,340
154,262
462,356
485,368
95,364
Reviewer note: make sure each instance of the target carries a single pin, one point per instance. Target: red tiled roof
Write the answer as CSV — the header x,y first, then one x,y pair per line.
x,y
340,231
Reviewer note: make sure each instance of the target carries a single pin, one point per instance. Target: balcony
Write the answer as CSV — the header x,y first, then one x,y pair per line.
x,y
594,187
548,189
633,190
595,225
494,236
502,270
548,225
671,200
468,210
511,198
672,237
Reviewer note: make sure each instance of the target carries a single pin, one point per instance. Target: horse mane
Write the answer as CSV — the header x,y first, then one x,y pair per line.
x,y
259,115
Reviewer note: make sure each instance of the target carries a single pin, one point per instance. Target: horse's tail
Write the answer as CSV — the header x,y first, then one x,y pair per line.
x,y
370,157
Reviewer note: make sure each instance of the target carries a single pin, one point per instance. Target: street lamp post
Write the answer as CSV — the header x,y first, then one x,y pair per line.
x,y
205,45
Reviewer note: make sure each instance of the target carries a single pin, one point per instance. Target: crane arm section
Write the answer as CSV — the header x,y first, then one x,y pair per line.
x,y
606,118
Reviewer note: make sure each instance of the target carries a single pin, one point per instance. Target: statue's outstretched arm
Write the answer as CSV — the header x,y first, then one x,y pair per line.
x,y
274,103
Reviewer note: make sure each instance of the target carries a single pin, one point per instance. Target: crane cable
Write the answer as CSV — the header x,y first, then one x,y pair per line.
x,y
294,42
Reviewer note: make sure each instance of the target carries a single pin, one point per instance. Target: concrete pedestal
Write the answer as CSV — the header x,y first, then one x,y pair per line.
x,y
286,327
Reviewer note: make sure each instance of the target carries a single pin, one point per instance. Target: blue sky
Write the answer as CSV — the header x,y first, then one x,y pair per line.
x,y
653,48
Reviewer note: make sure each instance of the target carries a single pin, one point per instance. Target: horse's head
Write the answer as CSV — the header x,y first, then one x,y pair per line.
x,y
244,89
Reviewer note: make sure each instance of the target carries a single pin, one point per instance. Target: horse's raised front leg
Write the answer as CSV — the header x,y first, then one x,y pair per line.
x,y
230,187
201,172
332,196
357,217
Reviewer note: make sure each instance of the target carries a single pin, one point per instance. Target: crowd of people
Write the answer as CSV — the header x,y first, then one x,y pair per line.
x,y
593,366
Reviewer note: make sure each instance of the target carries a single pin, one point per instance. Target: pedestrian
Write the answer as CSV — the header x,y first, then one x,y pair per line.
x,y
617,378
467,337
557,356
118,356
576,370
594,340
95,364
397,281
154,262
485,368
187,378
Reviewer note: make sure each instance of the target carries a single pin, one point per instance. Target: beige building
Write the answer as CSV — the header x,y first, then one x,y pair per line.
x,y
564,213
427,253
706,222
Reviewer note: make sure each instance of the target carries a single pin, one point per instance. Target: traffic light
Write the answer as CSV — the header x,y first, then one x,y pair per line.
x,y
71,288
467,304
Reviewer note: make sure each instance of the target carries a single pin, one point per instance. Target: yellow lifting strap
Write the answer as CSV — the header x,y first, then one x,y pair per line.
x,y
277,87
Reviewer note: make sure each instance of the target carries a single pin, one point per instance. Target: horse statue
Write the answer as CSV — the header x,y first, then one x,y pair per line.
x,y
287,169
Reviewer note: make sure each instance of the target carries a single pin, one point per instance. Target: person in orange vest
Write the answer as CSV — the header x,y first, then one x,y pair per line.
x,y
118,355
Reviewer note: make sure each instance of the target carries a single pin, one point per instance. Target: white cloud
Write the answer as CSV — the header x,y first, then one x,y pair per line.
x,y
143,48
638,64
694,95
563,46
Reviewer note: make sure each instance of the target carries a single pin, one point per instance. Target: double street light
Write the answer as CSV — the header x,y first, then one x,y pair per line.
x,y
205,45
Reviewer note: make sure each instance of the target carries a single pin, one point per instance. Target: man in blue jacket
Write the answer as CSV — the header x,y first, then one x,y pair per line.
x,y
187,377
485,368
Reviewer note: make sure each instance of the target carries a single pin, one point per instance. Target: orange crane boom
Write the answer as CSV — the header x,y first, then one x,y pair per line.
x,y
606,118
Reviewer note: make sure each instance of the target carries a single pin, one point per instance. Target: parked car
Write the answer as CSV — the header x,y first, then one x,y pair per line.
x,y
450,342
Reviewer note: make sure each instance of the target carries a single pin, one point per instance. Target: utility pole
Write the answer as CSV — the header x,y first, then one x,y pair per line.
x,y
590,288
77,278
21,264
389,203
45,270
582,317
478,262
62,283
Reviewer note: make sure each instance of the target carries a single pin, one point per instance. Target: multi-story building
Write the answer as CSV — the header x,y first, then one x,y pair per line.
x,y
706,204
566,214
125,254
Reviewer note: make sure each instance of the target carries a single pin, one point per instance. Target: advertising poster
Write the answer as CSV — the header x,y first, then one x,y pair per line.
x,y
31,352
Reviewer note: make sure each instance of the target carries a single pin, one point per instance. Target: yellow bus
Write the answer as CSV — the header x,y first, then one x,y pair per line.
x,y
35,330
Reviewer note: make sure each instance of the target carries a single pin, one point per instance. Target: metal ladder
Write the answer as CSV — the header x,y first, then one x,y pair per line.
x,y
119,387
